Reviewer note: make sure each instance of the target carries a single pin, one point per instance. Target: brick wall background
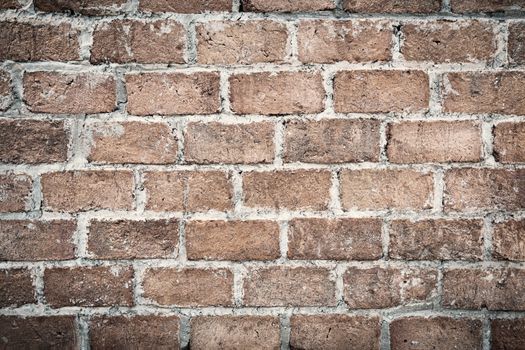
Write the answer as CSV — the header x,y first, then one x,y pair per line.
x,y
307,174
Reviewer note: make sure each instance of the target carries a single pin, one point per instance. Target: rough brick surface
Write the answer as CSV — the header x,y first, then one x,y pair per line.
x,y
466,6
509,142
508,239
194,6
516,41
10,4
392,6
15,193
90,8
287,6
17,287
507,334
5,90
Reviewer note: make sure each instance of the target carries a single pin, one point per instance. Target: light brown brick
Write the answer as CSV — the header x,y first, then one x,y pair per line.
x,y
90,8
464,6
507,334
72,191
509,142
508,240
194,6
392,6
232,240
277,93
331,141
189,287
287,6
241,42
516,40
16,288
15,192
334,239
6,97
381,91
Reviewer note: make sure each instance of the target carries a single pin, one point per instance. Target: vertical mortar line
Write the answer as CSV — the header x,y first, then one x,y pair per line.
x,y
501,58
487,138
439,190
122,95
138,277
385,333
17,84
284,320
80,237
184,331
38,281
339,5
439,301
487,237
36,195
383,141
292,55
178,129
225,91
134,6
139,192
328,82
181,254
339,283
283,239
79,143
486,332
191,41
83,331
236,179
445,6
397,42
86,39
435,81
239,272
335,206
236,6
385,238
278,141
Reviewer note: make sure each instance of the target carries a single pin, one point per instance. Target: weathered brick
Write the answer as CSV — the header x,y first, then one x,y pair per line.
x,y
289,286
235,332
33,141
277,93
293,190
386,189
195,93
328,41
484,189
334,239
484,92
508,240
381,91
287,6
189,287
210,143
244,42
392,6
516,40
384,287
10,5
436,333
84,7
6,97
69,93
334,331
507,334
232,240
465,6
434,142
72,191
89,286
126,239
436,240
37,240
38,42
15,192
124,41
194,6
332,141
16,287
509,142
188,191
132,142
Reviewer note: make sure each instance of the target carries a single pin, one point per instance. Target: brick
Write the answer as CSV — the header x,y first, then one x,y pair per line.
x,y
465,6
195,93
287,6
72,191
334,331
38,42
5,90
132,142
235,332
188,191
392,6
436,240
484,189
516,48
434,142
381,91
45,332
65,93
16,288
486,92
386,189
89,8
507,334
15,193
89,286
189,287
334,239
232,240
212,143
125,41
293,190
443,41
10,5
121,332
126,239
329,41
509,142
508,240
33,141
244,42
289,286
28,240
277,93
331,141
436,333
384,287
194,6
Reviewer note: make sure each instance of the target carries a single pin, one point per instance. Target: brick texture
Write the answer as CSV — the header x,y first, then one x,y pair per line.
x,y
15,193
515,39
286,6
90,8
507,334
509,142
392,6
17,287
195,6
472,6
509,240
5,90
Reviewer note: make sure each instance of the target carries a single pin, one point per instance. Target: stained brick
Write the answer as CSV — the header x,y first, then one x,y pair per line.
x,y
507,334
90,8
287,6
516,39
508,240
194,6
5,90
15,192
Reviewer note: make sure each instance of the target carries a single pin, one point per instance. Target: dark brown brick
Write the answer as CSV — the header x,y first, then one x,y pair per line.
x,y
16,287
10,5
287,6
193,6
84,7
509,142
15,192
6,97
508,334
392,6
508,240
465,6
516,40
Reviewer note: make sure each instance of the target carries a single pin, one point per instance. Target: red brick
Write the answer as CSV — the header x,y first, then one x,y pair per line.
x,y
464,6
392,6
69,93
386,189
87,190
89,286
332,141
188,191
335,239
189,287
196,93
125,41
211,143
5,90
27,240
90,8
126,239
277,93
194,6
38,42
293,190
507,334
289,286
509,142
508,240
10,5
287,6
381,91
15,193
232,240
16,288
245,42
384,287
516,39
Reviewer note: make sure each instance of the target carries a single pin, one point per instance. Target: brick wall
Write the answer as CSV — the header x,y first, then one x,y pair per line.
x,y
303,174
